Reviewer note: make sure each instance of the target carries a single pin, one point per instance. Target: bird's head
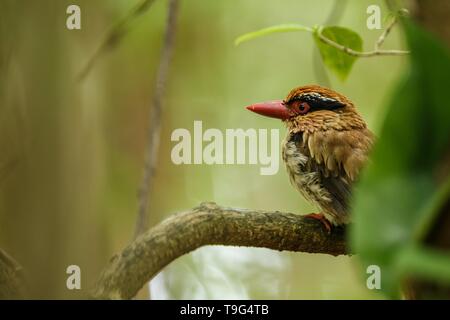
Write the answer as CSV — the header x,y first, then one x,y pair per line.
x,y
310,108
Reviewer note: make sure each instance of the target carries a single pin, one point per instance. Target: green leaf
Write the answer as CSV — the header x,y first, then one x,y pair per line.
x,y
401,194
424,262
270,30
336,60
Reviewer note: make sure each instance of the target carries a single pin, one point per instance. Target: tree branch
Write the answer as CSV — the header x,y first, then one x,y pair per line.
x,y
376,52
154,130
360,54
210,224
114,36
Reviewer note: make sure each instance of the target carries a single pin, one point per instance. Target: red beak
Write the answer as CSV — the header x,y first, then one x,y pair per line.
x,y
273,109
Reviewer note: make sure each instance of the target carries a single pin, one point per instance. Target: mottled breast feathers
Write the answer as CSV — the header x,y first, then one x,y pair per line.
x,y
323,164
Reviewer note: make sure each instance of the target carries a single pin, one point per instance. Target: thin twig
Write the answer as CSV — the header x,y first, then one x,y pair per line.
x,y
388,29
10,261
359,54
114,36
154,130
211,224
12,284
385,33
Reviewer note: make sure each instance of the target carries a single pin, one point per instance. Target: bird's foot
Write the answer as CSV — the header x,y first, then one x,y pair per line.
x,y
321,217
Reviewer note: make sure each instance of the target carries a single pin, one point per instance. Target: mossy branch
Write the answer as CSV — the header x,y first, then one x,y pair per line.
x,y
211,224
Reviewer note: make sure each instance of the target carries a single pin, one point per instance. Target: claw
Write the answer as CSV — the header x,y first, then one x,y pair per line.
x,y
321,218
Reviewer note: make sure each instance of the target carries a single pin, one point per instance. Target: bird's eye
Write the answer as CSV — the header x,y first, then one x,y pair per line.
x,y
303,108
299,107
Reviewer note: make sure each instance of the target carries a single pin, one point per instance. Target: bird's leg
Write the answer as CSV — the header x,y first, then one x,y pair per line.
x,y
320,216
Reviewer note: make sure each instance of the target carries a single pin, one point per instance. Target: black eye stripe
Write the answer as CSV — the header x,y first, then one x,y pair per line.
x,y
318,102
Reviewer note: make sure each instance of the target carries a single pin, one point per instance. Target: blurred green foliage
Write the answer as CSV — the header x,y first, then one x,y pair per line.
x,y
402,192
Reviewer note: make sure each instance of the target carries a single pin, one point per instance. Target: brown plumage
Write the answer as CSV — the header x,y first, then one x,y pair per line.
x,y
326,146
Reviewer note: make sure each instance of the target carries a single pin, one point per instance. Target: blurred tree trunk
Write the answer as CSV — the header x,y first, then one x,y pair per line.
x,y
434,15
49,157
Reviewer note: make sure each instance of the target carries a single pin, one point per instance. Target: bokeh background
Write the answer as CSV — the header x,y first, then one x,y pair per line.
x,y
72,154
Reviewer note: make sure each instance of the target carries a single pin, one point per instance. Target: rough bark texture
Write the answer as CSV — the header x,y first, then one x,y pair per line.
x,y
210,224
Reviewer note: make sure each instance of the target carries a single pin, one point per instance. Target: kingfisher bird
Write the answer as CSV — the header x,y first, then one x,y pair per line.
x,y
326,146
